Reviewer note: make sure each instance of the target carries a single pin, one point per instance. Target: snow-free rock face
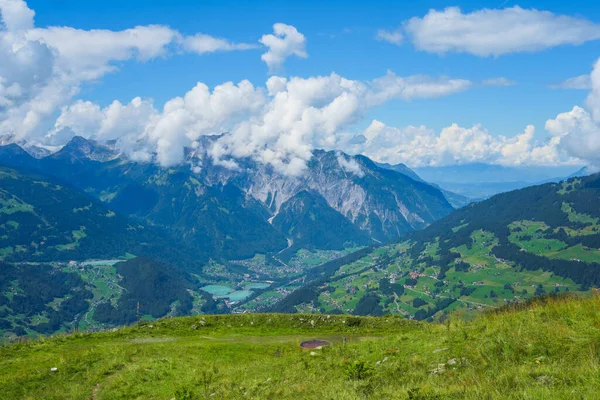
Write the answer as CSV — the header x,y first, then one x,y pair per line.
x,y
232,211
381,202
33,150
80,149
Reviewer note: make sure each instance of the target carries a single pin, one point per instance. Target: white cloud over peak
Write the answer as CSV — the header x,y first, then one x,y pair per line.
x,y
285,42
278,125
350,165
494,32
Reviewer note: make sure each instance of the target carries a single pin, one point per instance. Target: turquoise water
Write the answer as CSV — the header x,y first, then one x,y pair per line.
x,y
239,295
226,292
99,263
256,285
218,290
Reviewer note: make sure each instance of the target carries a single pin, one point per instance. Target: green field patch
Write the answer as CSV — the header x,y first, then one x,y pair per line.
x,y
577,253
569,186
431,249
11,205
13,224
574,216
6,251
458,228
529,236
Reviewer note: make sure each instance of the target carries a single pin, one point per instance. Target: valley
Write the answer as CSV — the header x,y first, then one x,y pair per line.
x,y
169,240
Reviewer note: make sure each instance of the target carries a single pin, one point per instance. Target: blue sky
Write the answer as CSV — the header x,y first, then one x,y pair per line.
x,y
341,37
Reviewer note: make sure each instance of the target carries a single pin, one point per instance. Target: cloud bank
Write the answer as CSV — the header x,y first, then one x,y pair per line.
x,y
279,124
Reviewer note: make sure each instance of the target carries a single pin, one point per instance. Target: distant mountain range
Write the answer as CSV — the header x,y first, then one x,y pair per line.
x,y
479,181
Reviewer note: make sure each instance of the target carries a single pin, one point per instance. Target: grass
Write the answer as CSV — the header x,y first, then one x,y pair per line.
x,y
547,349
486,274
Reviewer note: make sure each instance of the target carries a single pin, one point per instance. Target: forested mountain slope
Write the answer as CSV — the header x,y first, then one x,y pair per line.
x,y
505,249
41,220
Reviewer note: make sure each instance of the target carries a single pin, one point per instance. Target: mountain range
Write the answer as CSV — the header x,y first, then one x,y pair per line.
x,y
236,213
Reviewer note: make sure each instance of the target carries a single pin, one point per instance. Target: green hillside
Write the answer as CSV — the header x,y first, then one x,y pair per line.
x,y
38,298
544,350
307,219
44,221
506,249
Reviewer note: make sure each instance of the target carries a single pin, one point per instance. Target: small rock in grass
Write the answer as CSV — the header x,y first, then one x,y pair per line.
x,y
439,350
441,368
53,369
544,379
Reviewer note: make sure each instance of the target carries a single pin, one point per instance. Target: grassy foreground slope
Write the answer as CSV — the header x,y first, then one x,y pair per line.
x,y
548,349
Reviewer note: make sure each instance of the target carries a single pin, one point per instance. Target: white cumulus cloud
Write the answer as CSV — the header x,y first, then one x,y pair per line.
x,y
494,32
41,69
285,42
578,130
421,146
278,125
